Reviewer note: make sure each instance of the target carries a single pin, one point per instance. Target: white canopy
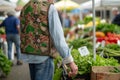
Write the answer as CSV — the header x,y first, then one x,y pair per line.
x,y
100,4
5,5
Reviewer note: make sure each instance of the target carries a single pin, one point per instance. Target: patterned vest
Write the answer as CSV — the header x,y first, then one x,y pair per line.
x,y
35,36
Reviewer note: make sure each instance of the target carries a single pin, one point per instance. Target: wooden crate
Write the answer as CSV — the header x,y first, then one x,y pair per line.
x,y
103,73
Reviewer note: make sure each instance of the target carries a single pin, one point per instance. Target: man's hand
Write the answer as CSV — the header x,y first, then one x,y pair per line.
x,y
74,69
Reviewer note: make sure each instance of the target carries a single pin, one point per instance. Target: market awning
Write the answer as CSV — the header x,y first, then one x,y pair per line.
x,y
100,4
66,4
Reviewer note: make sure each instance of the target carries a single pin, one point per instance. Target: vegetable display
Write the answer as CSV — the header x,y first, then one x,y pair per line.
x,y
85,63
5,64
109,50
109,38
105,56
58,69
82,42
105,27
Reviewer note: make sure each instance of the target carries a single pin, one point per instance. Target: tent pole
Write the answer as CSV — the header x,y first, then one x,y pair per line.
x,y
94,30
81,16
105,14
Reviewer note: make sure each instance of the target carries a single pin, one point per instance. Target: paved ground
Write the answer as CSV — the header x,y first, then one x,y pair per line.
x,y
20,72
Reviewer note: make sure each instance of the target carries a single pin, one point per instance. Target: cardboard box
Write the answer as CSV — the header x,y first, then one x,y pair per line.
x,y
103,73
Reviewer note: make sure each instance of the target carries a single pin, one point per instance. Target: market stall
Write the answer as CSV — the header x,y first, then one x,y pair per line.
x,y
100,4
104,53
66,4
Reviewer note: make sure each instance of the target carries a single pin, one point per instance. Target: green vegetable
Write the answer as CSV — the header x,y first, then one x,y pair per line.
x,y
87,19
115,70
5,64
105,27
82,42
2,30
85,63
58,74
58,69
108,52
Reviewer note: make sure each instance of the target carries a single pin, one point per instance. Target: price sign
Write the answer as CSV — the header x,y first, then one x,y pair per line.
x,y
83,51
118,42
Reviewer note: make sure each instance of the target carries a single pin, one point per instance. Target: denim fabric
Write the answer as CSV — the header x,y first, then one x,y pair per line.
x,y
13,38
42,71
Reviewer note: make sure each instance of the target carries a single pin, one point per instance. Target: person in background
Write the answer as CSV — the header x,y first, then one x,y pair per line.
x,y
12,29
116,19
40,24
67,22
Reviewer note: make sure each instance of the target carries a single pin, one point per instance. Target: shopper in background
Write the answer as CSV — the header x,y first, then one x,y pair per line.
x,y
12,29
116,19
35,39
67,22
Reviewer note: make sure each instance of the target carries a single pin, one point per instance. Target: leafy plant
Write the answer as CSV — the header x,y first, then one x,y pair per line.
x,y
105,27
87,19
115,70
82,42
2,30
5,64
58,69
85,63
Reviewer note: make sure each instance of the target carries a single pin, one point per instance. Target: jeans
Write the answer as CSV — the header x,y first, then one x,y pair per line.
x,y
13,38
42,71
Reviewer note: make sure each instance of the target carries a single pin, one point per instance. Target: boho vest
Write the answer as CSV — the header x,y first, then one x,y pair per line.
x,y
35,36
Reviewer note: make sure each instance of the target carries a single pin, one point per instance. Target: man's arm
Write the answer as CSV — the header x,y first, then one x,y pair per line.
x,y
18,28
18,25
57,35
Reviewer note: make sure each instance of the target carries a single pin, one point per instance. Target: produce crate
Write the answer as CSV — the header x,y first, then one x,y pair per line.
x,y
103,73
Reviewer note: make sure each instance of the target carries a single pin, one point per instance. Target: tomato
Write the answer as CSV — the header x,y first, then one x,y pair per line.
x,y
100,39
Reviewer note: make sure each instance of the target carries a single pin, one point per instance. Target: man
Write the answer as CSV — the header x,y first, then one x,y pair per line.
x,y
116,19
12,29
40,28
